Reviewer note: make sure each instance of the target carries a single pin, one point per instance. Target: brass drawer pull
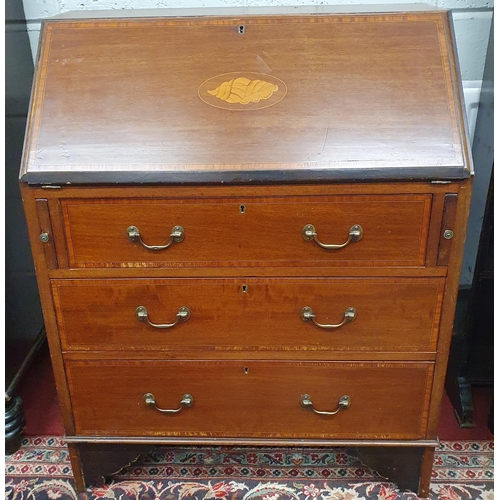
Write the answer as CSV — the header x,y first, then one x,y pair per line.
x,y
183,314
177,235
343,404
186,401
307,314
355,234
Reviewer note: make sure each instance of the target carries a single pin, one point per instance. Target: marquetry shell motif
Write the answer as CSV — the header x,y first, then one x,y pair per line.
x,y
243,90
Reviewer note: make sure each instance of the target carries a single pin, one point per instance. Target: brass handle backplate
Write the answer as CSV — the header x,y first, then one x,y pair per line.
x,y
307,314
355,234
183,314
186,401
343,404
176,236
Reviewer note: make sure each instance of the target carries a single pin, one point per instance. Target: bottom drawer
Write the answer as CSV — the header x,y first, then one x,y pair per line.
x,y
251,399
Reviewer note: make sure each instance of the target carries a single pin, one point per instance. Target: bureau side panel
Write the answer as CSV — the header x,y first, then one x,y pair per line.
x,y
449,303
41,269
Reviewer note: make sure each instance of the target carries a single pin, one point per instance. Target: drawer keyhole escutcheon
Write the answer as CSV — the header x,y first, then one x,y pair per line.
x,y
183,314
307,314
176,236
244,288
186,401
343,404
355,234
242,209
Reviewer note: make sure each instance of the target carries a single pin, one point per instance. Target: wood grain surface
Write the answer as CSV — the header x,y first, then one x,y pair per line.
x,y
248,398
367,97
248,232
249,314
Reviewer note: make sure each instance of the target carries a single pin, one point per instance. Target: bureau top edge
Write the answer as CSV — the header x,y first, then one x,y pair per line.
x,y
244,11
247,177
247,98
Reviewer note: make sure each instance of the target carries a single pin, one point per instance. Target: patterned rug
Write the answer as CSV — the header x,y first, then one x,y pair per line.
x,y
40,470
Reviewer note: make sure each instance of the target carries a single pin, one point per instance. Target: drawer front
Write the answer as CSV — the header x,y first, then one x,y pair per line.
x,y
247,232
399,314
250,399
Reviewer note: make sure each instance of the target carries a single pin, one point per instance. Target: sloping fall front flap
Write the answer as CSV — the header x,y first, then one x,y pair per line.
x,y
248,98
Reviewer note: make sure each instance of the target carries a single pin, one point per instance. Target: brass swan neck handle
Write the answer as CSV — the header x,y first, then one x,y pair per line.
x,y
183,314
355,234
186,401
307,314
176,236
343,403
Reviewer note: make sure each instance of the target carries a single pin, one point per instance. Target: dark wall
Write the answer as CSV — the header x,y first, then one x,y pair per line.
x,y
23,319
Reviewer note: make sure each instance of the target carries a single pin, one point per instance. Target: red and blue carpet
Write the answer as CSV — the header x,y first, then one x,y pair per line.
x,y
40,470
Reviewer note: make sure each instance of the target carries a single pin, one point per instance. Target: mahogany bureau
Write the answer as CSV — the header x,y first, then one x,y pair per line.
x,y
247,228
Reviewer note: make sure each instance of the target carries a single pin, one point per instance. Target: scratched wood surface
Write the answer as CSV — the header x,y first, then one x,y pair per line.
x,y
240,99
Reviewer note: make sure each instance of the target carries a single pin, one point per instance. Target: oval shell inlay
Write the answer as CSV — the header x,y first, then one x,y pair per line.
x,y
242,91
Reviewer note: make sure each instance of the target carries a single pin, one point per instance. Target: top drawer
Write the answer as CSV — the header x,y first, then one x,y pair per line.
x,y
249,232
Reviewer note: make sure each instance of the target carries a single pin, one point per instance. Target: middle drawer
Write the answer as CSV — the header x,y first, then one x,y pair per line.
x,y
361,314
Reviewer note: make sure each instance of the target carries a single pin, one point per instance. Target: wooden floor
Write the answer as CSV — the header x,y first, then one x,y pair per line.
x,y
43,417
